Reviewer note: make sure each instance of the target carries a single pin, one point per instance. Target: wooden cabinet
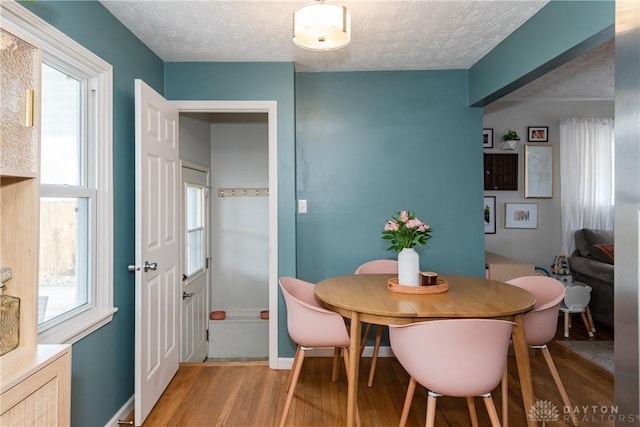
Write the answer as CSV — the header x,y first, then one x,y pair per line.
x,y
35,380
501,171
501,268
19,213
36,386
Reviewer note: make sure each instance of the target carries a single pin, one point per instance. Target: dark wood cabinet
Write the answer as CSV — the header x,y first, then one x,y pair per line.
x,y
501,171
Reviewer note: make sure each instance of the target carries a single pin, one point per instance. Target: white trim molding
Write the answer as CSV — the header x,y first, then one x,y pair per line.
x,y
271,108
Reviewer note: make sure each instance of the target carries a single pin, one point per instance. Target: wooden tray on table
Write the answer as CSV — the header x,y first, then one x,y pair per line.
x,y
440,287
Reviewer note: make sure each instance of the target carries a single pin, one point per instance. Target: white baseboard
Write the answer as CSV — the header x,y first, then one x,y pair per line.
x,y
287,362
122,414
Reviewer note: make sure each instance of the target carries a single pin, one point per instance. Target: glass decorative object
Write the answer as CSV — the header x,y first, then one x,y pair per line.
x,y
18,136
9,317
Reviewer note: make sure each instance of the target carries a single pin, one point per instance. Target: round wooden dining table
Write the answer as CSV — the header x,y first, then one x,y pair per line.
x,y
366,298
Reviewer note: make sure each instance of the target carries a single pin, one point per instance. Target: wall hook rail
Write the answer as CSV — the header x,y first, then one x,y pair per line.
x,y
243,192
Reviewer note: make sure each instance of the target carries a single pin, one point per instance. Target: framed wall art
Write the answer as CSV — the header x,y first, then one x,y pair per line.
x,y
521,215
487,138
489,215
538,171
538,134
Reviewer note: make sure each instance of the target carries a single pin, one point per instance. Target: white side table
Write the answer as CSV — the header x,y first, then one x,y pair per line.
x,y
576,300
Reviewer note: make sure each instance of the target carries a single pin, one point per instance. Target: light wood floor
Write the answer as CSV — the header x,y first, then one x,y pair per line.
x,y
251,394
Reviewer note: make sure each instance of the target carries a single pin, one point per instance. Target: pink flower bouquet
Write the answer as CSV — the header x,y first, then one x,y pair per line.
x,y
406,231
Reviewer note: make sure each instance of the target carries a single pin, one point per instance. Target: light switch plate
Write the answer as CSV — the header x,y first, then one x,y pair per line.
x,y
302,206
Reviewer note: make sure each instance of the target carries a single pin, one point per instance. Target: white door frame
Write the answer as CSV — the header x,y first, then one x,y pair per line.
x,y
271,108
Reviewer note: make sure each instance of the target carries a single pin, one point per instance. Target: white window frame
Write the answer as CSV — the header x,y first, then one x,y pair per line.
x,y
59,49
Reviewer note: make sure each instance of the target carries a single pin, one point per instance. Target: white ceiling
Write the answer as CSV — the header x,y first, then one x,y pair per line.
x,y
386,35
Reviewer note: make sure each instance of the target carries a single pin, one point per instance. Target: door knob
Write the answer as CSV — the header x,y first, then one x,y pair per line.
x,y
146,267
186,295
150,266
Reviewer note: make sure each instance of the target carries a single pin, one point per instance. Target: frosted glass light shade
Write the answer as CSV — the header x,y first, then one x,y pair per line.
x,y
322,26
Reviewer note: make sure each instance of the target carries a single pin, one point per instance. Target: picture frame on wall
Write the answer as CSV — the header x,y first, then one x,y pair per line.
x,y
521,215
487,138
538,171
489,215
538,134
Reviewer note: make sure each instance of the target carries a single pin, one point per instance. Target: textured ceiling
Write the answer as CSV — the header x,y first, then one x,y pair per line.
x,y
589,77
386,35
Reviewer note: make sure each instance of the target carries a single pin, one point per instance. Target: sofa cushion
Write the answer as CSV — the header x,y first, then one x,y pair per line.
x,y
587,238
607,249
592,268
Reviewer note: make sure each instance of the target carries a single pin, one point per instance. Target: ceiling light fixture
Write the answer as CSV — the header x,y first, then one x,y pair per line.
x,y
321,26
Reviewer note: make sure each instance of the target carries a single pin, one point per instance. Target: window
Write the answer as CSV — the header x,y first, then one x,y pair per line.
x,y
195,229
76,227
68,196
587,173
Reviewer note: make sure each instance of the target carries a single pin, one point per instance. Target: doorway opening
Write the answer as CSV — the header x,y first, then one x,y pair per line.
x,y
236,141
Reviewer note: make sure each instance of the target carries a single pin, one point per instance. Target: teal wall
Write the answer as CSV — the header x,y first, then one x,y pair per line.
x,y
357,146
369,144
102,378
372,143
558,33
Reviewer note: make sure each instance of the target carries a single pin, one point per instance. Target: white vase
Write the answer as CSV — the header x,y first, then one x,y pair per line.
x,y
408,267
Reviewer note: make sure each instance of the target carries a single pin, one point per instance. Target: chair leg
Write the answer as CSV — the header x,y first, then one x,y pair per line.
x,y
431,409
296,374
296,358
491,409
505,397
336,360
473,415
586,323
593,327
365,337
374,358
407,401
567,317
556,379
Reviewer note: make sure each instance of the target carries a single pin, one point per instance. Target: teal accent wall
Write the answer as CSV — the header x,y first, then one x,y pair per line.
x,y
253,81
102,377
558,33
369,144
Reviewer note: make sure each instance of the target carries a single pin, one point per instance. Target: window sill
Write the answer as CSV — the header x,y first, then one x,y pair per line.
x,y
77,328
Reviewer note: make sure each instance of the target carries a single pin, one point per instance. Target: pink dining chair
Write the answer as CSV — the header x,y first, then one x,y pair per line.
x,y
377,266
540,325
455,357
310,325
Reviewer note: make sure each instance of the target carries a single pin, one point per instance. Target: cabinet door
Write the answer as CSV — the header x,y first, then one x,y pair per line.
x,y
501,171
43,397
19,76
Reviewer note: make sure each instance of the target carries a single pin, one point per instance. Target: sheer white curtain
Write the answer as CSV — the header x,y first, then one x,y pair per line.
x,y
586,176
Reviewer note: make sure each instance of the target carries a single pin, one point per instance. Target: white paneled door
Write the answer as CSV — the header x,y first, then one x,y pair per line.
x,y
195,271
157,268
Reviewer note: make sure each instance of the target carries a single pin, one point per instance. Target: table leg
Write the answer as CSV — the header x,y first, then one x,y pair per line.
x,y
524,367
354,364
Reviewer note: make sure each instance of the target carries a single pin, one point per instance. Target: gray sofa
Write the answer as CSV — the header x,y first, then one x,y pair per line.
x,y
591,264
